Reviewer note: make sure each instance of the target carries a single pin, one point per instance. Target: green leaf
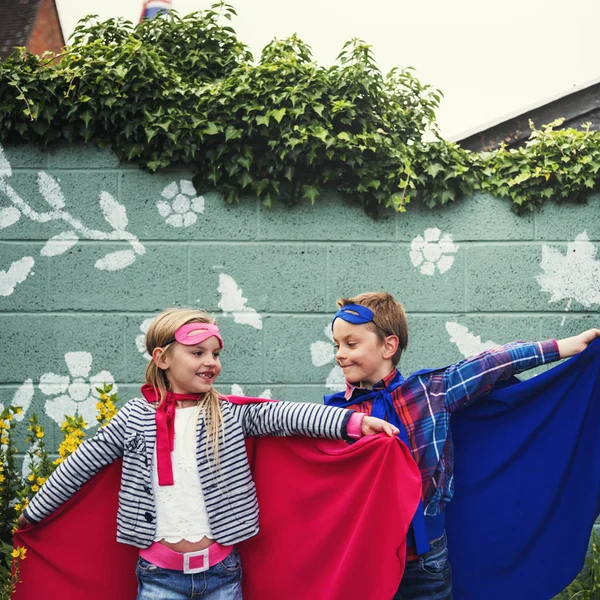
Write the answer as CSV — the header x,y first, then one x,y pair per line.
x,y
278,114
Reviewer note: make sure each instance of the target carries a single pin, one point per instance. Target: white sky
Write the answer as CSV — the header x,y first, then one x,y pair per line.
x,y
490,59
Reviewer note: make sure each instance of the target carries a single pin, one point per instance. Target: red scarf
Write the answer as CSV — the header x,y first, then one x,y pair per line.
x,y
165,430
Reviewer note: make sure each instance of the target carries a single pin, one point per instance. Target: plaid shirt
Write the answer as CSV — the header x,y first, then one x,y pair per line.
x,y
424,403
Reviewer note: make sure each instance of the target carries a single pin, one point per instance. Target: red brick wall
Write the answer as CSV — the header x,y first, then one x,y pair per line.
x,y
46,33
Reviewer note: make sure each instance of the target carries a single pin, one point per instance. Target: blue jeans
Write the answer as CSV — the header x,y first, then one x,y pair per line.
x,y
429,577
222,581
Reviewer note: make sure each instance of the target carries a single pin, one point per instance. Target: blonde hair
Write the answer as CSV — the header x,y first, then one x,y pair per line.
x,y
389,317
161,334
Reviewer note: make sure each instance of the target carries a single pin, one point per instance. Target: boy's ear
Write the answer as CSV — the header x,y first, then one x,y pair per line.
x,y
159,358
390,346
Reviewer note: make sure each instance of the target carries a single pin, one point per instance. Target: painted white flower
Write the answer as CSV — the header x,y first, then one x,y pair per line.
x,y
323,353
433,250
233,302
74,394
468,343
181,205
140,340
238,390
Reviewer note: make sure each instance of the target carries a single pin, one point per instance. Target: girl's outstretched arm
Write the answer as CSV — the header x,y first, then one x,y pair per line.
x,y
93,454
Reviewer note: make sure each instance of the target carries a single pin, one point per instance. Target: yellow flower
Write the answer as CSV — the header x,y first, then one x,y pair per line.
x,y
4,440
41,480
2,478
18,410
35,487
39,434
17,507
31,477
19,552
9,417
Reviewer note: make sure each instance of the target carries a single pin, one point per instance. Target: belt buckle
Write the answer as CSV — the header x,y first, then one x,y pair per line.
x,y
186,562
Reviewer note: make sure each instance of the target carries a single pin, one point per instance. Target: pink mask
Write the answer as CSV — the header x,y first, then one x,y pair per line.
x,y
191,334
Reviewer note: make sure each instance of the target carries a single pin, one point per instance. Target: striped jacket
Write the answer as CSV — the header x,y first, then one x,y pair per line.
x,y
229,491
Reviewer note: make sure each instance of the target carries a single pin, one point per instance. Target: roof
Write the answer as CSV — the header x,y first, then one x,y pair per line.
x,y
577,107
17,18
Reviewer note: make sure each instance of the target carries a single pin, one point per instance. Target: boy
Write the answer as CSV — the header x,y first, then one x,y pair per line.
x,y
371,332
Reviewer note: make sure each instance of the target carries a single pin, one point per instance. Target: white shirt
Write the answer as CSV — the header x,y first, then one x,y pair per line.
x,y
180,508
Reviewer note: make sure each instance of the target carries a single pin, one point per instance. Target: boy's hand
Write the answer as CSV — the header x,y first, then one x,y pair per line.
x,y
573,345
371,425
23,521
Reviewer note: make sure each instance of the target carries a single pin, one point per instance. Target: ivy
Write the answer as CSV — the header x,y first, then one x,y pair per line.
x,y
185,90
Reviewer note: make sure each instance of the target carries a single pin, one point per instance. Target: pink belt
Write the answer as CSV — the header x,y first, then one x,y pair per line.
x,y
188,562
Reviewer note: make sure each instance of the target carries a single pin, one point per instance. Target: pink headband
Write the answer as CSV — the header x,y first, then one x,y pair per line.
x,y
191,334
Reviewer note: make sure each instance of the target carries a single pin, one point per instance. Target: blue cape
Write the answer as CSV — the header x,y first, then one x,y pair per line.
x,y
527,481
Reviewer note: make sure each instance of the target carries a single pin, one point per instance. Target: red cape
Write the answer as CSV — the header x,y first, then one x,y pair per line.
x,y
333,526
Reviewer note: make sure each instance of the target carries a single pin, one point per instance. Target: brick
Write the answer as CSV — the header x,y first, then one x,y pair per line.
x,y
38,344
273,277
481,217
154,281
29,294
25,157
332,218
140,193
287,349
358,268
565,221
503,278
81,156
81,192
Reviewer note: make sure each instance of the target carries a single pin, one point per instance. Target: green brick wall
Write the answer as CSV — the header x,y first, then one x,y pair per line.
x,y
71,315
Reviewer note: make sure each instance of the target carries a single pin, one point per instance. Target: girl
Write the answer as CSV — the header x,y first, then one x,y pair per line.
x,y
187,496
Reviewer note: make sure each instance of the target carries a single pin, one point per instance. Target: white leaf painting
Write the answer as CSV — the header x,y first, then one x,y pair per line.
x,y
17,273
114,213
22,397
432,251
323,353
9,215
232,302
571,276
50,190
116,260
59,244
140,339
467,343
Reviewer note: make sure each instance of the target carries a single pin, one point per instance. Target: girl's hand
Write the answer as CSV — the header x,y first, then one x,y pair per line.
x,y
573,345
23,521
371,425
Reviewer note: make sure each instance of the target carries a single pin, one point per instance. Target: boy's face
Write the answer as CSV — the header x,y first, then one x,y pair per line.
x,y
363,357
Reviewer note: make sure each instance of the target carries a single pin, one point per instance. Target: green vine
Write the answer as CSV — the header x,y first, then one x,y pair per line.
x,y
185,90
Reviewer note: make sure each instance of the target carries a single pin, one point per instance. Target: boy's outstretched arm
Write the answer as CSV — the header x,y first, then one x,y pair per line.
x,y
472,378
574,345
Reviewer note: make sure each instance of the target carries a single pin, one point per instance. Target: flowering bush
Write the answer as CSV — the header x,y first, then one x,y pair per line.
x,y
17,490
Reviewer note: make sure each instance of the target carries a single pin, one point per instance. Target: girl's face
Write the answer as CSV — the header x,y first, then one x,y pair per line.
x,y
192,369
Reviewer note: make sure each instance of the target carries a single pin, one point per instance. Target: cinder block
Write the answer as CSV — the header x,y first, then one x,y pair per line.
x,y
566,221
358,268
287,350
26,156
39,344
503,278
81,156
155,280
272,277
23,288
480,217
331,218
80,192
213,219
300,393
